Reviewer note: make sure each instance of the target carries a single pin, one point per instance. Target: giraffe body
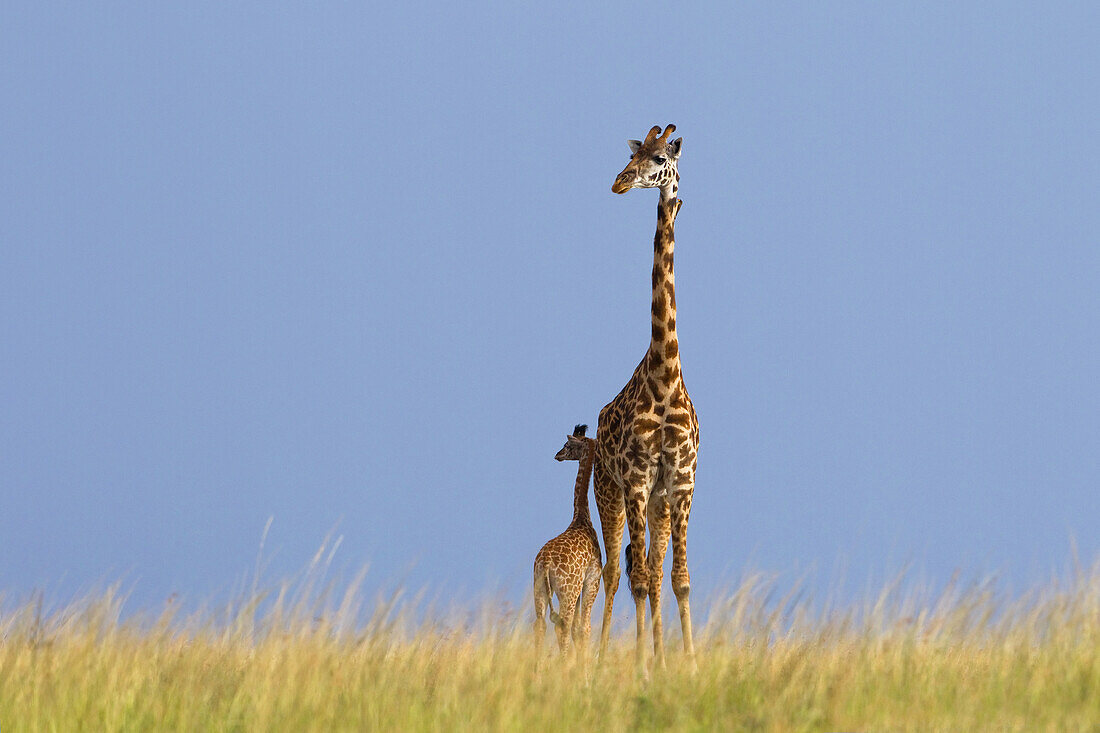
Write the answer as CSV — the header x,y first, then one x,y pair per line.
x,y
648,436
569,566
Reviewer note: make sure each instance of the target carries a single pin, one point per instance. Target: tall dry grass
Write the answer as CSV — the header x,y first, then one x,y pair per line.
x,y
306,658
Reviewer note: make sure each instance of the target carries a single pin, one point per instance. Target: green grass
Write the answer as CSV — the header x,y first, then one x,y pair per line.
x,y
964,660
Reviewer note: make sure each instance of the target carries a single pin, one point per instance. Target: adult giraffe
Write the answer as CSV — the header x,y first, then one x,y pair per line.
x,y
648,436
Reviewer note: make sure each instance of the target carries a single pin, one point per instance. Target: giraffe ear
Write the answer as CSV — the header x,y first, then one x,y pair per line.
x,y
634,145
674,147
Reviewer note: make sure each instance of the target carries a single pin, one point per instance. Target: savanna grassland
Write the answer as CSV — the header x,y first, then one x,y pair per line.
x,y
963,659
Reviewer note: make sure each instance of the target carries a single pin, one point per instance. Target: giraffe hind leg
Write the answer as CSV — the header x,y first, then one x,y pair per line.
x,y
567,606
584,620
578,642
542,601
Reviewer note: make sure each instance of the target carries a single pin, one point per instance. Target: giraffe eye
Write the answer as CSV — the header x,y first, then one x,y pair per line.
x,y
659,160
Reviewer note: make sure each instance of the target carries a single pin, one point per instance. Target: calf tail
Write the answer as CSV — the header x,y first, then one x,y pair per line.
x,y
553,614
555,618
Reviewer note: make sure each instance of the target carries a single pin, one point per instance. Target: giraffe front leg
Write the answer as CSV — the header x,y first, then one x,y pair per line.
x,y
636,522
681,579
639,571
658,543
609,501
613,542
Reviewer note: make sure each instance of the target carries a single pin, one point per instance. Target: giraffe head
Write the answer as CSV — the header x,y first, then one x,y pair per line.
x,y
652,162
576,445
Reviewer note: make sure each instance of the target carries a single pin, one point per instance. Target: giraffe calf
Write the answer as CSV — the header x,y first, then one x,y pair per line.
x,y
570,565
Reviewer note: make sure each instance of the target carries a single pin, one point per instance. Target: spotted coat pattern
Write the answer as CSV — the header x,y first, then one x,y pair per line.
x,y
648,436
569,565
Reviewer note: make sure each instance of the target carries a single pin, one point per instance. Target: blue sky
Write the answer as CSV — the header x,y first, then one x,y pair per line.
x,y
360,267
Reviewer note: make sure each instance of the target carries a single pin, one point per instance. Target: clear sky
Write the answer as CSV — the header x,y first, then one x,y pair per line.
x,y
359,266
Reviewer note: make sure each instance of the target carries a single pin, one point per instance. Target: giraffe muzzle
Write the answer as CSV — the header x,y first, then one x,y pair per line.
x,y
623,183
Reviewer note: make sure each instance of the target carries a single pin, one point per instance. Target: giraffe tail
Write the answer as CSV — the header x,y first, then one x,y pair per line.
x,y
628,560
555,618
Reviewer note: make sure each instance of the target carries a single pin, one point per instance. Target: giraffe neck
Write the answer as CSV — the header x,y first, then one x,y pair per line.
x,y
581,517
664,349
669,189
